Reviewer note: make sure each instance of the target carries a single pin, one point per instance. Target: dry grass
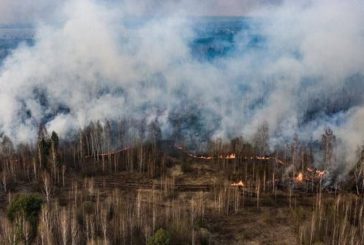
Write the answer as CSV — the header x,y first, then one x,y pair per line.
x,y
123,198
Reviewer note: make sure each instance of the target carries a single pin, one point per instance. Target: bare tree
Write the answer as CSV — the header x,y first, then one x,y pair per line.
x,y
328,144
47,185
261,139
295,153
359,170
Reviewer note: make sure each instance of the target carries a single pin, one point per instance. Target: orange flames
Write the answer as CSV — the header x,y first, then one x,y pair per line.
x,y
238,184
313,173
226,157
262,158
299,177
202,157
229,156
318,173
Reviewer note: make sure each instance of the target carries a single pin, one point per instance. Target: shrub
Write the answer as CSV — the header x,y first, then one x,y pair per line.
x,y
160,237
25,207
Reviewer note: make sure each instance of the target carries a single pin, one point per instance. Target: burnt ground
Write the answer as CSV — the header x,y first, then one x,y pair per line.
x,y
261,218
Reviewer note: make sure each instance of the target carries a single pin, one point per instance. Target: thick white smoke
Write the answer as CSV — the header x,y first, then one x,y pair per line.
x,y
92,61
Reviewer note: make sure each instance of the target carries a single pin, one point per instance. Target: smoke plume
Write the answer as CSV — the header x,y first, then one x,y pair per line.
x,y
299,67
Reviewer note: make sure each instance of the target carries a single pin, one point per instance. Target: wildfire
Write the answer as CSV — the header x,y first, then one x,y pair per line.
x,y
238,184
202,157
317,172
320,173
226,157
229,156
262,158
299,177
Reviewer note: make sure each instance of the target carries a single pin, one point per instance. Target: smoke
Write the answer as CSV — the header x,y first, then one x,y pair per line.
x,y
25,12
298,67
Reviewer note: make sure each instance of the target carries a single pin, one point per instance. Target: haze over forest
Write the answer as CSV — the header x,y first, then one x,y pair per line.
x,y
297,66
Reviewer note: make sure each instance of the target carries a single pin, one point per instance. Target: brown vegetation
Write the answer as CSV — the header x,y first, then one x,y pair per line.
x,y
234,193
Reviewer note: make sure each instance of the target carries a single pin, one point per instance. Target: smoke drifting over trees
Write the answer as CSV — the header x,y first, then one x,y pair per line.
x,y
92,61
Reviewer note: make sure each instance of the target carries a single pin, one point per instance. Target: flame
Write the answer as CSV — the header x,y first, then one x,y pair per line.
x,y
226,157
238,184
229,156
318,173
202,157
262,158
299,177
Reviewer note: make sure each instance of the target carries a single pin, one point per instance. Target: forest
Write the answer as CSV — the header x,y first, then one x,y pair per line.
x,y
122,183
181,122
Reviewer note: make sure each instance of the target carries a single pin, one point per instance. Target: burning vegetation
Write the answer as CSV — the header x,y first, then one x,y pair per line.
x,y
238,184
92,192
